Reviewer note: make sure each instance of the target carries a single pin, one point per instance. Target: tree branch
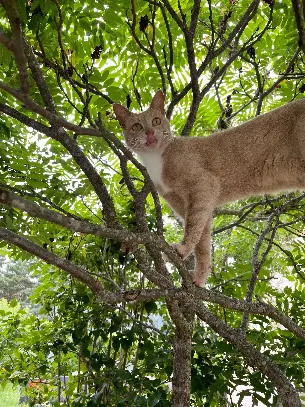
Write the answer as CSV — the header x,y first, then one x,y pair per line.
x,y
174,15
284,75
298,8
259,308
59,33
239,28
74,270
137,295
256,264
155,244
51,117
151,50
183,319
18,43
194,17
39,79
80,226
256,359
71,145
22,118
6,41
74,83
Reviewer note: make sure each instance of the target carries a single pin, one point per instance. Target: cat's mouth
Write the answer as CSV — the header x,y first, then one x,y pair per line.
x,y
151,140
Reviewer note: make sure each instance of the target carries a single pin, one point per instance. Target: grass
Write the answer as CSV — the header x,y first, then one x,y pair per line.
x,y
9,396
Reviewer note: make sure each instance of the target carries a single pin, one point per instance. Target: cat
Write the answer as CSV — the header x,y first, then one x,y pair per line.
x,y
197,174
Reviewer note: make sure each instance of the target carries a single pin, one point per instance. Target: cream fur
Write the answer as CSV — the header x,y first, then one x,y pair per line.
x,y
153,162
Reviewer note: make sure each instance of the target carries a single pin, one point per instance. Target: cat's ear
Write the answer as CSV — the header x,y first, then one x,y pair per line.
x,y
121,113
158,102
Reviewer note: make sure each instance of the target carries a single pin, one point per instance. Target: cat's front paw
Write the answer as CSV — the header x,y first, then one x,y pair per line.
x,y
183,250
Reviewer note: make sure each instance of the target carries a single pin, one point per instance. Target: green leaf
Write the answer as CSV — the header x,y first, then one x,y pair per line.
x,y
150,307
21,7
13,303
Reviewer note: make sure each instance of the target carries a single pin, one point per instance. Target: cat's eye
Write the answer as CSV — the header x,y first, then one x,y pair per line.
x,y
137,127
156,121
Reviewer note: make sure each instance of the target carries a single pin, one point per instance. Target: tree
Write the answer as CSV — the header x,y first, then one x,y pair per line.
x,y
74,196
16,281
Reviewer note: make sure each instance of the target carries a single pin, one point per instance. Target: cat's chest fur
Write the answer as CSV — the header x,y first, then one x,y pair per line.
x,y
153,162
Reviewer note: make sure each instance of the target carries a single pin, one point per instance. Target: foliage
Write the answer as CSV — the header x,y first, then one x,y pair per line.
x,y
9,396
218,64
16,281
117,355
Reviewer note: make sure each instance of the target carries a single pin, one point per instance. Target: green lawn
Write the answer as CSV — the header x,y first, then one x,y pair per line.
x,y
9,396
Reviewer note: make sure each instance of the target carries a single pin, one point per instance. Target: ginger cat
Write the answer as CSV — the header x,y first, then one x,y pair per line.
x,y
197,174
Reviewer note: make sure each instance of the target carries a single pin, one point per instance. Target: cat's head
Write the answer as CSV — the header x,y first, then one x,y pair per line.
x,y
145,131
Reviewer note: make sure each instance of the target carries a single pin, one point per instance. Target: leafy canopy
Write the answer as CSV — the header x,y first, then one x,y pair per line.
x,y
219,64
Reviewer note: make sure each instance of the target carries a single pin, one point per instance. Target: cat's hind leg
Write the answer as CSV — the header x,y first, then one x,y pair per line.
x,y
203,256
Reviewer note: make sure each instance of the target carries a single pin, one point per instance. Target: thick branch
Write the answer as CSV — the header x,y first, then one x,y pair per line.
x,y
6,41
194,17
154,243
76,271
259,308
50,258
160,279
10,111
252,355
13,200
80,130
71,145
80,226
51,117
18,43
182,349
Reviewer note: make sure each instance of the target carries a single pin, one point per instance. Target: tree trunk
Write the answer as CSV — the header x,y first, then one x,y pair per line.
x,y
182,349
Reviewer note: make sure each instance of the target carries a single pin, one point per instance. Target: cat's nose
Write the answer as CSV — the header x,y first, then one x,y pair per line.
x,y
150,137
